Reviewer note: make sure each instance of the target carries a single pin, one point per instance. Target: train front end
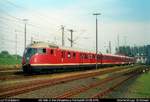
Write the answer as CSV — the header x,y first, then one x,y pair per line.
x,y
26,60
37,57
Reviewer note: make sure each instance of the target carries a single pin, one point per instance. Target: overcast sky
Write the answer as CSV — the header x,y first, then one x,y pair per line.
x,y
130,19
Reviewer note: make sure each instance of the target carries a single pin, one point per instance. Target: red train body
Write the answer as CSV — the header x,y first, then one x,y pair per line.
x,y
44,56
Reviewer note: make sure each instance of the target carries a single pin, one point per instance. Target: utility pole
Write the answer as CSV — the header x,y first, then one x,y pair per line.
x,y
96,14
71,40
16,46
118,41
25,31
125,40
63,42
110,47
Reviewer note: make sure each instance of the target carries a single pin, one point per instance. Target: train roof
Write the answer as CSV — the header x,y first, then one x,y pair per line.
x,y
117,55
42,45
52,45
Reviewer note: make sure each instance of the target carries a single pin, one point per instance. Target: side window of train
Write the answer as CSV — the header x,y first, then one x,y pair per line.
x,y
98,57
80,55
85,56
44,50
63,54
69,55
41,50
74,55
93,56
51,51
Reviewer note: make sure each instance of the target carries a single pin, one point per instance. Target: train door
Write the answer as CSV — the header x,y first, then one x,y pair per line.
x,y
57,55
81,57
63,56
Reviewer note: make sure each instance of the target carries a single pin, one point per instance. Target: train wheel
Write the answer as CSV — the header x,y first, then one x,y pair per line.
x,y
27,69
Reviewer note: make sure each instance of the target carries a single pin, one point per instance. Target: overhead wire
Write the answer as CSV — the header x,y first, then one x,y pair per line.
x,y
18,19
15,19
18,6
33,11
5,19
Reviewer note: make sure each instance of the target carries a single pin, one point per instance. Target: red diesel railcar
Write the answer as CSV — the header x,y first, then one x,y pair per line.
x,y
44,56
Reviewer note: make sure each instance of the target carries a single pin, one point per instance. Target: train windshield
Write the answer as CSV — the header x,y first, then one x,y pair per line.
x,y
29,52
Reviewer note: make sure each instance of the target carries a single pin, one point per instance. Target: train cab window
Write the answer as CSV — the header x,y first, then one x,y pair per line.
x,y
29,52
69,55
52,52
41,50
44,50
74,55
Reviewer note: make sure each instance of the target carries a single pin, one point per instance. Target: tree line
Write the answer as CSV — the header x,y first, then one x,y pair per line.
x,y
133,51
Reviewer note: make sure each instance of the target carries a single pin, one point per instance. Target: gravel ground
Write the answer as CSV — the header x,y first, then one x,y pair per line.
x,y
28,79
93,91
121,90
52,91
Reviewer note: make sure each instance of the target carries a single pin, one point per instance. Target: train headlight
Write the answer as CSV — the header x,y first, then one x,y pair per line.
x,y
23,61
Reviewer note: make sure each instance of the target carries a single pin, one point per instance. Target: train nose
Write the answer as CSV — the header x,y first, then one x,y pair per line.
x,y
23,61
26,68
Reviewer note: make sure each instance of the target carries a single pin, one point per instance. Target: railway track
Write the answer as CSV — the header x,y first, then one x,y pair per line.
x,y
9,69
11,74
121,76
118,82
18,89
6,75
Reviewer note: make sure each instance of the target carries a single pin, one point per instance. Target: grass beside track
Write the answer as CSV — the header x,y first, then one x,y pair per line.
x,y
140,88
8,61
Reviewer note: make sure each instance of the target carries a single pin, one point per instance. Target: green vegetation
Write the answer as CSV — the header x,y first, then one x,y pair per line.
x,y
141,87
142,53
132,51
8,59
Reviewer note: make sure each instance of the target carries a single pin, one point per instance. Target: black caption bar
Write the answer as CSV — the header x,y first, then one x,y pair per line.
x,y
76,100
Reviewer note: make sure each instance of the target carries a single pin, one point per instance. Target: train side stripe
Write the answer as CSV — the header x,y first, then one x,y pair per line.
x,y
72,64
